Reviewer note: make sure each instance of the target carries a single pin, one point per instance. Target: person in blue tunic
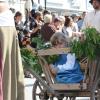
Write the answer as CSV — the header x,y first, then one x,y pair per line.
x,y
67,68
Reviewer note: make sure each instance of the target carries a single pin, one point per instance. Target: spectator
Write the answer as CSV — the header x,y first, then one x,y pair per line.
x,y
47,29
19,26
57,23
62,21
46,12
18,21
74,24
35,24
67,30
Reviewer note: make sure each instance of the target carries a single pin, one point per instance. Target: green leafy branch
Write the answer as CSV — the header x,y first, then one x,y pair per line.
x,y
90,47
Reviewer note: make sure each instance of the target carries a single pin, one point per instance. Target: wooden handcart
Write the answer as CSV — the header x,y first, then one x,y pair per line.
x,y
46,88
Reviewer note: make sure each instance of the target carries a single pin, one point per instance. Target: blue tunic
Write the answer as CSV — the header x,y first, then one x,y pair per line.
x,y
73,75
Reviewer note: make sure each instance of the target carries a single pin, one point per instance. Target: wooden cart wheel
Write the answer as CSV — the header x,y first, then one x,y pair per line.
x,y
53,98
39,92
72,98
96,91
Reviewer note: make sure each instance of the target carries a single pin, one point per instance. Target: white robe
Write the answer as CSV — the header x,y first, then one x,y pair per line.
x,y
92,19
10,60
7,18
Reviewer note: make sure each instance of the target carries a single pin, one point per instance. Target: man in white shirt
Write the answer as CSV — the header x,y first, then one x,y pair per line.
x,y
92,19
11,70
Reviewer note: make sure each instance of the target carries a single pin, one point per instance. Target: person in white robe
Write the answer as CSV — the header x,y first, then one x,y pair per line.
x,y
11,70
92,19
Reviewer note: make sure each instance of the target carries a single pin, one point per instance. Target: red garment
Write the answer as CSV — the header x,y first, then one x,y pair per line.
x,y
1,76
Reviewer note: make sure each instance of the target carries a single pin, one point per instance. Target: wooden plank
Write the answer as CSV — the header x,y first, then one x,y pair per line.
x,y
74,93
46,70
84,94
68,87
78,94
53,51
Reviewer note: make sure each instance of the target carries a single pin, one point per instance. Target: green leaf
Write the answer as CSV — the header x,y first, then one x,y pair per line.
x,y
90,47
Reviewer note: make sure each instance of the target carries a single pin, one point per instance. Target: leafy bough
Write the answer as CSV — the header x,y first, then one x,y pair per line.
x,y
89,46
31,61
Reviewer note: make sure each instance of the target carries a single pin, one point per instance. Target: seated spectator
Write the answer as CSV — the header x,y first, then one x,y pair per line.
x,y
19,26
35,24
67,30
47,29
46,12
66,68
57,23
18,21
62,21
74,24
21,29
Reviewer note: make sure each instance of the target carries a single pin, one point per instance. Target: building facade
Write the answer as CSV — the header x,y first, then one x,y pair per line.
x,y
59,6
66,6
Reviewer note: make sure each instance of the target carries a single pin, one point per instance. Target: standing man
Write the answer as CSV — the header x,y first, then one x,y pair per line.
x,y
92,19
11,71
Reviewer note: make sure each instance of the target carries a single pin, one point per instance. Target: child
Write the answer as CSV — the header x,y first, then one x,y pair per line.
x,y
67,68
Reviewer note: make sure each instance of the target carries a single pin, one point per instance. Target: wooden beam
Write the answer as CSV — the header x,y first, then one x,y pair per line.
x,y
53,51
68,87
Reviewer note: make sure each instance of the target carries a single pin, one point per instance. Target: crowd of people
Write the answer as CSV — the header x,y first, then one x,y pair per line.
x,y
50,28
46,24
